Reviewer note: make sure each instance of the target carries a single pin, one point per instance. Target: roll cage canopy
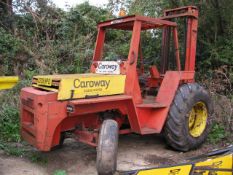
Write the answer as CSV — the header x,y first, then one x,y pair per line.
x,y
136,24
127,23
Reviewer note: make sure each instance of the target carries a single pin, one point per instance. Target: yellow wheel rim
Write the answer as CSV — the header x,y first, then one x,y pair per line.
x,y
197,119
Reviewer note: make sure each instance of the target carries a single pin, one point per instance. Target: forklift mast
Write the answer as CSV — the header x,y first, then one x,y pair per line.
x,y
190,13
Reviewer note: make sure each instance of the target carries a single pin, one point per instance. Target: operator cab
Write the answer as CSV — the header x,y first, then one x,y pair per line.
x,y
132,63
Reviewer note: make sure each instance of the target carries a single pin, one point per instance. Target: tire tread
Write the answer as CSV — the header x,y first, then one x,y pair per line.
x,y
175,130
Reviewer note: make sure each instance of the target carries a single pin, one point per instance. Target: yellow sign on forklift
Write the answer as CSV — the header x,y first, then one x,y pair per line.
x,y
81,85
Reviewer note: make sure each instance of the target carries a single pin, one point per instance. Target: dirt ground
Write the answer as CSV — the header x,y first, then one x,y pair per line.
x,y
76,158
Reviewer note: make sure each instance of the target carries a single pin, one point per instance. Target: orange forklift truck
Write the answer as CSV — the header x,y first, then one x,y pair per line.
x,y
98,106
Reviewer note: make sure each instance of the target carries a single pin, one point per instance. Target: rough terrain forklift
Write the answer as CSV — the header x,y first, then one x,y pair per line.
x,y
110,100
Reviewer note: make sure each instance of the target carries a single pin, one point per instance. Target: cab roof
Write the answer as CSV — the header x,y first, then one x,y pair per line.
x,y
127,22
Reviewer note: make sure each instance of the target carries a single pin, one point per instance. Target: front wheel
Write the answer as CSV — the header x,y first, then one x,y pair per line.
x,y
106,160
189,118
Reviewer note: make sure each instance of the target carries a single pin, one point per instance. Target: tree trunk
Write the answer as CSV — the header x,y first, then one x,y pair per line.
x,y
219,17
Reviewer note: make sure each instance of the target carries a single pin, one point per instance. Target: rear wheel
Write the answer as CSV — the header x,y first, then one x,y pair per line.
x,y
189,118
106,160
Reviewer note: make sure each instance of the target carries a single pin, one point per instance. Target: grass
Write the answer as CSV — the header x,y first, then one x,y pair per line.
x,y
9,124
217,133
12,150
38,157
21,151
9,119
60,172
9,113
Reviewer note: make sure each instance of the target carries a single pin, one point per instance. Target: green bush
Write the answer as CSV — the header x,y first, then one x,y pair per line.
x,y
9,124
9,113
9,46
217,133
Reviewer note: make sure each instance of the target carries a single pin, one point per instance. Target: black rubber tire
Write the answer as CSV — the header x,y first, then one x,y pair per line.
x,y
106,161
176,128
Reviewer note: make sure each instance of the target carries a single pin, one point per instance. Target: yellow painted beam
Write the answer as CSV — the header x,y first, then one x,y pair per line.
x,y
8,82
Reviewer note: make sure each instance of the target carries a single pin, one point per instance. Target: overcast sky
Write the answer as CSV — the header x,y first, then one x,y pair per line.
x,y
63,3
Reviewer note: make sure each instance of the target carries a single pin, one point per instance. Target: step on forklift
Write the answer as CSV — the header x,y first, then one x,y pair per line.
x,y
110,100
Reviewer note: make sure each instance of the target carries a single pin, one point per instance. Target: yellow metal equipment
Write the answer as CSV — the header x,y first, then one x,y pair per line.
x,y
8,82
215,163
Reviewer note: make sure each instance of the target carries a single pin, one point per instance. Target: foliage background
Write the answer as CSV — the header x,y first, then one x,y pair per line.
x,y
38,38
